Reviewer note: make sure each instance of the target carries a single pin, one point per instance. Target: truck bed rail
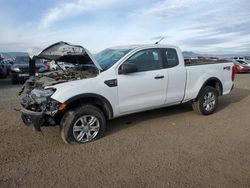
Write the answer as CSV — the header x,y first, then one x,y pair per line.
x,y
193,62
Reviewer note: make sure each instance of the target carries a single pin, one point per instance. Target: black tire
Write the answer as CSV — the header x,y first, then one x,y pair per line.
x,y
72,117
201,106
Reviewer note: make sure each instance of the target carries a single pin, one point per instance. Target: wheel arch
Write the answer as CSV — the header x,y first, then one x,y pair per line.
x,y
91,98
212,82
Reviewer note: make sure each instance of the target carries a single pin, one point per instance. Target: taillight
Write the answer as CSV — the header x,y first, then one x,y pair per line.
x,y
233,73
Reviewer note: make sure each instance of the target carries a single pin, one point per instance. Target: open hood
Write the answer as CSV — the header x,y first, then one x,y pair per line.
x,y
65,52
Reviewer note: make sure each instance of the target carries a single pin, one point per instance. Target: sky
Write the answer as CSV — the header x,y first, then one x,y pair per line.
x,y
202,26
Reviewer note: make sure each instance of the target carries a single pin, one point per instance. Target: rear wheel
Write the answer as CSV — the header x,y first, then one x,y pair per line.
x,y
207,101
83,125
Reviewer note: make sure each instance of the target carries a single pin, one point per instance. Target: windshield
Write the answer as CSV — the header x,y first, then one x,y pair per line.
x,y
109,57
22,60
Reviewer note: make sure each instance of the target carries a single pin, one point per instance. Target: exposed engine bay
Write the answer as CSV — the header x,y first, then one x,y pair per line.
x,y
38,108
42,80
36,97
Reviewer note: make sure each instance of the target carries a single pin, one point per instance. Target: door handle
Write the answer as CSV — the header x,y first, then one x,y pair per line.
x,y
159,77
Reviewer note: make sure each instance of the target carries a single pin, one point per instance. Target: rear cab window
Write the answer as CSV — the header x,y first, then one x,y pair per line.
x,y
170,57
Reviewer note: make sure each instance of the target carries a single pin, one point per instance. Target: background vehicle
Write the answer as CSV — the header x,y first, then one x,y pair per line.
x,y
241,67
8,63
64,65
244,62
126,80
3,69
242,58
20,69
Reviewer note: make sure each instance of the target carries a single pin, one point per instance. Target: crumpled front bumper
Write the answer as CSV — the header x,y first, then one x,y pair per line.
x,y
33,119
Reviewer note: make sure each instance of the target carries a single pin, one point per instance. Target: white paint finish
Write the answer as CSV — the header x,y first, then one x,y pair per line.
x,y
175,85
140,91
198,75
94,85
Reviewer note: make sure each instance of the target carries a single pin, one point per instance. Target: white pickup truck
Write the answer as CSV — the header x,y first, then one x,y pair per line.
x,y
116,82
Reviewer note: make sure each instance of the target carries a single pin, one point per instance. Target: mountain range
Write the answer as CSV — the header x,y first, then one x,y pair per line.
x,y
12,54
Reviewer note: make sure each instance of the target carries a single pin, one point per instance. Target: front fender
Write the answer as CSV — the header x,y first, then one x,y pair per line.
x,y
92,87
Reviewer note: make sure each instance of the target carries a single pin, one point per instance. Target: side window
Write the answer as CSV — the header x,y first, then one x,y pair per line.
x,y
171,58
146,60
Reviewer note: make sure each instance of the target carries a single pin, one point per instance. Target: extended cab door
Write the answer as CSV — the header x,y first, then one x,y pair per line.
x,y
176,69
145,88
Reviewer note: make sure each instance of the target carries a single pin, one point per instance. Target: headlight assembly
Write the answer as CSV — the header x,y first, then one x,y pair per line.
x,y
15,69
41,96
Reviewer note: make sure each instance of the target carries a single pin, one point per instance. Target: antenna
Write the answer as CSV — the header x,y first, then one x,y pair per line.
x,y
161,38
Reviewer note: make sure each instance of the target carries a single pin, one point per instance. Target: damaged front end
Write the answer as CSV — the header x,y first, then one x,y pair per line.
x,y
38,108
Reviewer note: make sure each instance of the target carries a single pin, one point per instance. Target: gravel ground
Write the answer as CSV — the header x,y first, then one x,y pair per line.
x,y
170,147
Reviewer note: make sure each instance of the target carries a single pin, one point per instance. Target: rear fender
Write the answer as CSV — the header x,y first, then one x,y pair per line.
x,y
213,82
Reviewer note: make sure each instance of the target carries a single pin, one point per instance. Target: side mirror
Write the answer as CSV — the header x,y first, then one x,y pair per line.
x,y
128,68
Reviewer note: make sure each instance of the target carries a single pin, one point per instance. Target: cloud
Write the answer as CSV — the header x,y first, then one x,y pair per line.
x,y
206,26
66,10
198,25
165,8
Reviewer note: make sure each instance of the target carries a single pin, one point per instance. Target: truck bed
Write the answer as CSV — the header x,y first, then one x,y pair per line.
x,y
197,75
193,62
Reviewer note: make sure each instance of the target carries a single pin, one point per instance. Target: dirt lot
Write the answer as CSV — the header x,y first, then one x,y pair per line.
x,y
171,147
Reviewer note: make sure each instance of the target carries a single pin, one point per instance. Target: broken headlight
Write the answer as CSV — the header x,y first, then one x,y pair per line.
x,y
39,100
41,96
52,107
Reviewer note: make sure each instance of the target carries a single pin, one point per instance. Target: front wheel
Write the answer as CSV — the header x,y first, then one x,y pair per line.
x,y
83,125
206,102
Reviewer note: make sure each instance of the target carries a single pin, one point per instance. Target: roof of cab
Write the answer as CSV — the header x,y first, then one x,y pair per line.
x,y
141,46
